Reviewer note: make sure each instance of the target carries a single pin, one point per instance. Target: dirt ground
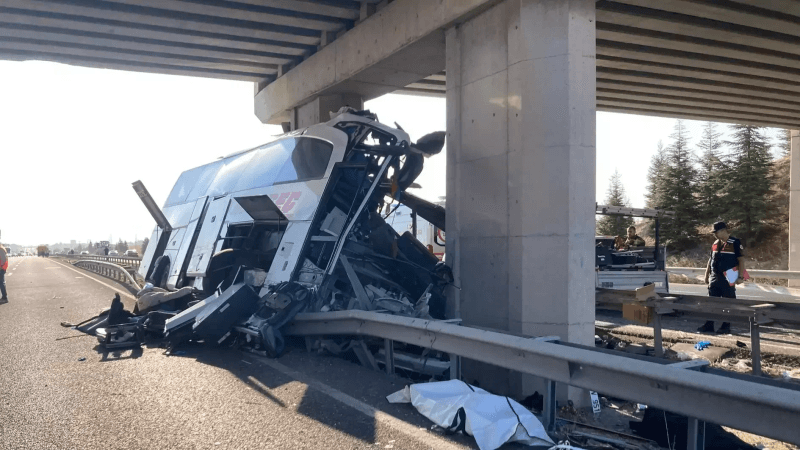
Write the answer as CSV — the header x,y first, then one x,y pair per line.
x,y
780,360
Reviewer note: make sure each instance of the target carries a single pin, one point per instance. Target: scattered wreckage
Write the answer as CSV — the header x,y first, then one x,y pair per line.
x,y
245,243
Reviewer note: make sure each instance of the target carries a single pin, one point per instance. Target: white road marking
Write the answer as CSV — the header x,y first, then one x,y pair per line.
x,y
406,428
121,292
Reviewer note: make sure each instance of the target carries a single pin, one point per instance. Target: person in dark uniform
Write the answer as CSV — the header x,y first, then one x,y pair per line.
x,y
726,253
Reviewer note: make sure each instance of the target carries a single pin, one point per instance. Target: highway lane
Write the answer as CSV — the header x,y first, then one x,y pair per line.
x,y
58,390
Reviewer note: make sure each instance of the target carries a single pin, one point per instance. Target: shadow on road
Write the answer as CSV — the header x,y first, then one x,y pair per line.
x,y
118,354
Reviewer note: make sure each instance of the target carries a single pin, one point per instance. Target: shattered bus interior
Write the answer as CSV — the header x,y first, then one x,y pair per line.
x,y
245,243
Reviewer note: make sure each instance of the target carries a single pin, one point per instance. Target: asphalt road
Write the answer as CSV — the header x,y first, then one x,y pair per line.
x,y
59,390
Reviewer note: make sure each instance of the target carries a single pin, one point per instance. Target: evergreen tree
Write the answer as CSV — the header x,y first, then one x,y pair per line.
x,y
655,176
615,225
678,185
144,245
711,176
784,143
748,185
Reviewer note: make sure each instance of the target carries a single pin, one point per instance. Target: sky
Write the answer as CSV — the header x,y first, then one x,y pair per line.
x,y
73,139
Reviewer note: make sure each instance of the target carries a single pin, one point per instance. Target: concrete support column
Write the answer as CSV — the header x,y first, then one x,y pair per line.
x,y
521,174
318,110
794,207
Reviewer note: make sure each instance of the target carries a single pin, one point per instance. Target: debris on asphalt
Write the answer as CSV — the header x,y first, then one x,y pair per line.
x,y
491,419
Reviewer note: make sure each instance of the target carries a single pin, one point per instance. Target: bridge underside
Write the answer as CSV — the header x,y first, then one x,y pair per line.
x,y
733,61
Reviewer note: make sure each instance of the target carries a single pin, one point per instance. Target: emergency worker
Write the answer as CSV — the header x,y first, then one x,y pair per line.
x,y
3,268
725,269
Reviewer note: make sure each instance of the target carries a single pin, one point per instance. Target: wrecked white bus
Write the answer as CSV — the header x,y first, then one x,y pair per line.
x,y
297,224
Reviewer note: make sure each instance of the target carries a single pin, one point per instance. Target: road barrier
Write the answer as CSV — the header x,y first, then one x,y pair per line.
x,y
755,273
754,404
108,266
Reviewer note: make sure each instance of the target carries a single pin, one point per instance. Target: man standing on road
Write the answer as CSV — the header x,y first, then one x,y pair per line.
x,y
727,255
3,268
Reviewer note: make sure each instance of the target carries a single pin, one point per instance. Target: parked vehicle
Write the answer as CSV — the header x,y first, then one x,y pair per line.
x,y
132,253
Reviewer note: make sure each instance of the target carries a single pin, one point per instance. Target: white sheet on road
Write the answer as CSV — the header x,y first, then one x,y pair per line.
x,y
493,420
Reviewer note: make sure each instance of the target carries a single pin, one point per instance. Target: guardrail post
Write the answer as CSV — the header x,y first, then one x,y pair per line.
x,y
658,343
696,436
388,349
755,346
549,406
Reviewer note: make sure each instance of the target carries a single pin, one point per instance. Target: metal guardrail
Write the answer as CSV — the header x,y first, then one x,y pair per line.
x,y
755,273
100,266
754,404
120,260
752,312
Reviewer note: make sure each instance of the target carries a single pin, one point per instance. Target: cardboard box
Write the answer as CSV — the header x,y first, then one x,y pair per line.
x,y
638,313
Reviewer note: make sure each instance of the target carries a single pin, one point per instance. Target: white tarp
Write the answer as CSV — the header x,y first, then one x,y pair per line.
x,y
493,420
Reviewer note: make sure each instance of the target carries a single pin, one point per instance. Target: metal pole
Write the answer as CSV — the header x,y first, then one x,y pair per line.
x,y
388,347
696,436
658,264
657,340
755,346
414,224
549,406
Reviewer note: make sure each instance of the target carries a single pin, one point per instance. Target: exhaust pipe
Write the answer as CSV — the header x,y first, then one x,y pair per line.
x,y
151,206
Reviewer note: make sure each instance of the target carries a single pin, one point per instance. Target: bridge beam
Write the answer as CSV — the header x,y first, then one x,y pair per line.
x,y
394,47
521,174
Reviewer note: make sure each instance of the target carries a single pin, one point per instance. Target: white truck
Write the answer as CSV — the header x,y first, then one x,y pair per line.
x,y
633,267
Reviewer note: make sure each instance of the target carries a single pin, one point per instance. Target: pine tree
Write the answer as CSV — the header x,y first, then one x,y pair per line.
x,y
748,181
784,143
655,176
615,225
678,185
711,176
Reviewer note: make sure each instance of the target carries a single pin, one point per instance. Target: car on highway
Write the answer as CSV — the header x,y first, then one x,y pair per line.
x,y
132,253
84,252
113,253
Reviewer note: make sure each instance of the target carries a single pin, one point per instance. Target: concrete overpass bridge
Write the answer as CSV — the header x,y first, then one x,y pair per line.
x,y
523,80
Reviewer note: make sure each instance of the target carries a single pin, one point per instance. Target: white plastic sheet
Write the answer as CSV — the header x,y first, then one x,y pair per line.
x,y
493,420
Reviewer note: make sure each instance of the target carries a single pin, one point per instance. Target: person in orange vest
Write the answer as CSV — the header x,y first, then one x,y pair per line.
x,y
3,268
